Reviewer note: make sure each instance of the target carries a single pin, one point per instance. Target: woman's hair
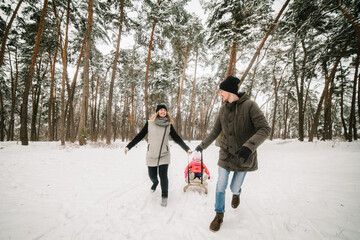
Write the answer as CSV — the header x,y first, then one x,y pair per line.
x,y
153,117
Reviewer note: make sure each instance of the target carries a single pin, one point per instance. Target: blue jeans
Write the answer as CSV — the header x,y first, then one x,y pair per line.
x,y
235,187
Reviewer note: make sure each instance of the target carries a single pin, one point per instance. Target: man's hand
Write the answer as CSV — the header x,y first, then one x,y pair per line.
x,y
198,148
243,152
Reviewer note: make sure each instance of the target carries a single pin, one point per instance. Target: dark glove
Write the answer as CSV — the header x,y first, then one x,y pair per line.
x,y
243,152
198,148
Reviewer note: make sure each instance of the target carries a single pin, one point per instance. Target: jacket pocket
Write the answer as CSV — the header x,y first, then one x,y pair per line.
x,y
241,163
224,154
148,147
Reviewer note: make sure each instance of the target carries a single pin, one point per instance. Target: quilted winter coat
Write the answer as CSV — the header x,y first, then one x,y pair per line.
x,y
243,124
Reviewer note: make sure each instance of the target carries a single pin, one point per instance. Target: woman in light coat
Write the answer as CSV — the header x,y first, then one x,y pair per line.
x,y
159,128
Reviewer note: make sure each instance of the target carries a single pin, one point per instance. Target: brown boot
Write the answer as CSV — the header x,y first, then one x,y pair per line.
x,y
235,201
216,223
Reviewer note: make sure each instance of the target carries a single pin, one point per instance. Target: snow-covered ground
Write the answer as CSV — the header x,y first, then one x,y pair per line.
x,y
301,191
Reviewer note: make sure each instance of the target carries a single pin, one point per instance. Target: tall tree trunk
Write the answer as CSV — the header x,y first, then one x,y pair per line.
x,y
115,124
36,100
286,111
274,117
2,117
132,124
14,83
327,82
327,133
147,70
51,98
178,105
300,86
6,33
99,105
71,93
276,91
28,80
343,122
123,120
82,133
191,117
231,70
54,117
39,120
252,81
108,122
356,26
63,49
263,42
358,79
352,122
351,19
94,90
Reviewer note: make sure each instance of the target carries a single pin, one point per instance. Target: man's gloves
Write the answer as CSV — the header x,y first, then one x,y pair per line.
x,y
126,150
198,148
243,152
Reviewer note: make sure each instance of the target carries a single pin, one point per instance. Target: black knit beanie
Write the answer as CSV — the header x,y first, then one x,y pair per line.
x,y
160,106
230,84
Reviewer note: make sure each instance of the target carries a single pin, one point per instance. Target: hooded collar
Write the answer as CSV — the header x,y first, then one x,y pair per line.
x,y
242,98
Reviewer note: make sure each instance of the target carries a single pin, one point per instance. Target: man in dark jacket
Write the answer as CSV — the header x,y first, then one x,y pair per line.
x,y
244,128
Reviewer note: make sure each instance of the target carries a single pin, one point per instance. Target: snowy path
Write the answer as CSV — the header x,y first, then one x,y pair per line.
x,y
301,191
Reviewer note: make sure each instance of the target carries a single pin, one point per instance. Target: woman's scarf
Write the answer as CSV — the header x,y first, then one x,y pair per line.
x,y
162,121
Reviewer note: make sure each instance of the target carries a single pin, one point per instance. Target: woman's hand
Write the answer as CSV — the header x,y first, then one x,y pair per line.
x,y
126,150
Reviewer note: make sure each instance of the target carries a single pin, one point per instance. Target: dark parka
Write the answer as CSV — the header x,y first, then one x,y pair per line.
x,y
243,124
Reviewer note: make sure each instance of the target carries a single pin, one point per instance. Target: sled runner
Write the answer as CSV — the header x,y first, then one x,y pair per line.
x,y
193,181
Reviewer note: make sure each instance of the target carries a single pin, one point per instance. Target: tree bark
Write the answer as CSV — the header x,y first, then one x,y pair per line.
x,y
2,117
231,70
36,100
327,82
82,133
343,122
327,133
6,33
191,117
178,105
123,120
51,98
300,89
351,19
63,49
147,70
263,42
286,112
28,80
352,121
99,105
108,122
356,26
255,71
39,120
71,93
14,83
276,90
94,121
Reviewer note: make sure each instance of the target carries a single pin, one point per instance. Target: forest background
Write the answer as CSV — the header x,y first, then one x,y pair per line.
x,y
298,59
